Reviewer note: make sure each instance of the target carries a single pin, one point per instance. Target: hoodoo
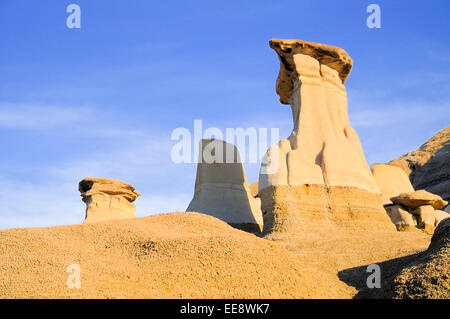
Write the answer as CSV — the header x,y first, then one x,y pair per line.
x,y
107,199
221,188
317,178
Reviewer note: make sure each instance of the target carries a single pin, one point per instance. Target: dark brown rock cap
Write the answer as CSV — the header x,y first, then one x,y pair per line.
x,y
90,186
334,57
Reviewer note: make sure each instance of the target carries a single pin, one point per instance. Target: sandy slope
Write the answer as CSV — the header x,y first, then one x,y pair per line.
x,y
190,255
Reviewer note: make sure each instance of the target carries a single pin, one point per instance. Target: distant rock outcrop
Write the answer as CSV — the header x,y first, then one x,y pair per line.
x,y
318,177
429,166
221,188
107,199
391,181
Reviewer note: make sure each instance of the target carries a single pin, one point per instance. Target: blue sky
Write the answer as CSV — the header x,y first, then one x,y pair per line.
x,y
103,100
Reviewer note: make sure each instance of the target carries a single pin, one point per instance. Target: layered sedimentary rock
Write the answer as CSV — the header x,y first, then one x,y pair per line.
x,y
428,167
391,181
318,175
107,199
221,188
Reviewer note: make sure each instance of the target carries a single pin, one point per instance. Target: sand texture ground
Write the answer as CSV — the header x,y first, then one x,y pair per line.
x,y
191,255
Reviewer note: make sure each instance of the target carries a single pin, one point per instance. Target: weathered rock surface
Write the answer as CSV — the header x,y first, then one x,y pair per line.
x,y
440,216
221,188
428,276
428,167
107,199
319,172
254,189
419,198
391,181
402,219
333,57
426,217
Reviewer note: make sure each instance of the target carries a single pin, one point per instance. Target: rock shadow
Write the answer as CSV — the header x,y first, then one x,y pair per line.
x,y
357,277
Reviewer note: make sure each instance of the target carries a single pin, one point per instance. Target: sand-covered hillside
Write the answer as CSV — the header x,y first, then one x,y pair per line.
x,y
190,255
165,256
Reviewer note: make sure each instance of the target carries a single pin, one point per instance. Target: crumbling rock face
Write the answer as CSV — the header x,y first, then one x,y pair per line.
x,y
428,167
429,275
221,188
254,189
402,219
107,199
319,172
417,210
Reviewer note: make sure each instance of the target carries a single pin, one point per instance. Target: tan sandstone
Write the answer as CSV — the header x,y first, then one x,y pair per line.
x,y
440,216
391,180
318,177
221,188
426,217
189,255
402,219
419,198
107,199
254,189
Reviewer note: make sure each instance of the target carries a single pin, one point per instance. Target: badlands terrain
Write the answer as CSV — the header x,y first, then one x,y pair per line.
x,y
191,255
310,227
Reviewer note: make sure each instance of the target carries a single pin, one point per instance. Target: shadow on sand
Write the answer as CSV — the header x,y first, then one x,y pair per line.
x,y
357,277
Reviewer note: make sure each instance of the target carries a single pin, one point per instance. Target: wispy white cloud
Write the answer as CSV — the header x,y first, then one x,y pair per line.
x,y
408,113
38,204
82,120
22,116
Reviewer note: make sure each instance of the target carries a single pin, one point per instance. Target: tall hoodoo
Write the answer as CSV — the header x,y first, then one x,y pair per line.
x,y
322,175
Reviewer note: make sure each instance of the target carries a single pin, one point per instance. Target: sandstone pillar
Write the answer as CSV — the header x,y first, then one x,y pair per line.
x,y
221,188
322,176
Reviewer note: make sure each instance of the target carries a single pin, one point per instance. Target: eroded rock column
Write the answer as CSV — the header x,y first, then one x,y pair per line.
x,y
221,188
107,199
322,176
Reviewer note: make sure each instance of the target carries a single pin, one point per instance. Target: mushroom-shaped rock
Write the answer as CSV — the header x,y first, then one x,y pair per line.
x,y
391,181
419,198
333,57
107,199
221,188
318,177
